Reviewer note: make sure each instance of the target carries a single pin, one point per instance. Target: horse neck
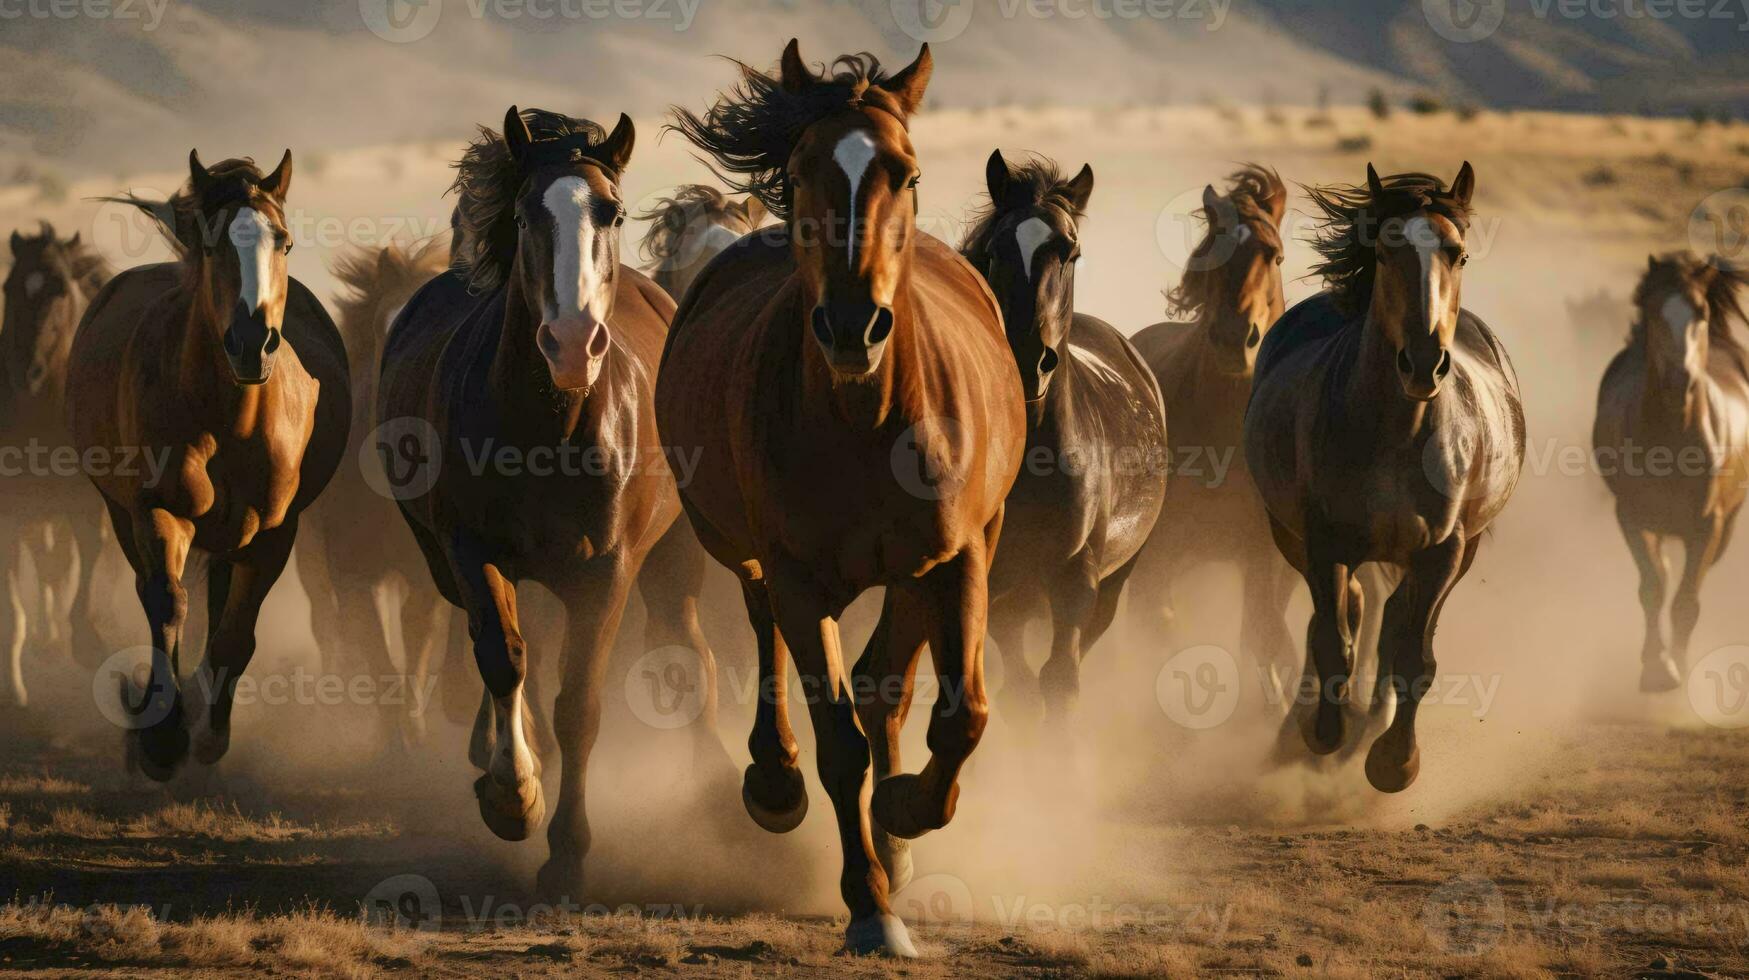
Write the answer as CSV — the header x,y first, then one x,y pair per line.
x,y
1667,408
519,382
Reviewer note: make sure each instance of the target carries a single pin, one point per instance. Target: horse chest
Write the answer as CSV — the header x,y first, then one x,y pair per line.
x,y
233,489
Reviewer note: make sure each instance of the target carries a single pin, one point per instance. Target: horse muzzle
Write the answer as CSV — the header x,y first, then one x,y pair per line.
x,y
852,335
575,348
250,343
1421,377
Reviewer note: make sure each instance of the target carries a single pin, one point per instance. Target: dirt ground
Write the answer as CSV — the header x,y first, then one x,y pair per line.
x,y
1563,824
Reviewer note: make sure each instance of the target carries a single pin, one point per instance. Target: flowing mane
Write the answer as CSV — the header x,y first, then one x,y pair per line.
x,y
486,182
183,219
1033,181
671,217
1249,190
1352,220
1724,298
751,130
373,279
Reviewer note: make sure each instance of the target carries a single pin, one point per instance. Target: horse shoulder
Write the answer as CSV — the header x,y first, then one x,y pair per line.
x,y
936,260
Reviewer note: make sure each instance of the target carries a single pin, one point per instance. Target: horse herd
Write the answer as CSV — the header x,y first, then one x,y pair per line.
x,y
868,407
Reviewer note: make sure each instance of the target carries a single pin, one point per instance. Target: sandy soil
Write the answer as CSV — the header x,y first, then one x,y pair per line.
x,y
1562,825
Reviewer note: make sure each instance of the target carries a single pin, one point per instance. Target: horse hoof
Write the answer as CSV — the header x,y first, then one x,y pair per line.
x,y
159,751
776,805
895,856
511,812
560,881
897,803
1388,769
879,935
1323,730
1660,675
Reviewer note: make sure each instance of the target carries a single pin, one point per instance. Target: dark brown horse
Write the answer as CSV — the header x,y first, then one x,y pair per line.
x,y
232,367
523,380
54,518
1385,427
1678,393
860,420
1095,471
689,229
345,582
1230,296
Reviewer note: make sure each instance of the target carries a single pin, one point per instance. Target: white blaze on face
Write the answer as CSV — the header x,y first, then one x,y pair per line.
x,y
1427,243
33,284
579,278
1685,324
252,236
853,153
1030,235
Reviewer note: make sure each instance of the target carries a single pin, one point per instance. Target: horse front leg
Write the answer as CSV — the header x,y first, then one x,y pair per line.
x,y
235,591
158,742
1329,637
18,615
772,788
1657,671
884,680
594,604
509,792
1700,551
1411,615
424,628
82,636
804,619
1074,599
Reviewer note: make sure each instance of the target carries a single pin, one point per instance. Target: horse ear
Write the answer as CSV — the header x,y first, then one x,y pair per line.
x,y
1374,185
1211,202
616,150
908,85
1464,185
17,242
1276,203
1651,262
1081,187
278,182
516,135
754,209
198,177
996,177
792,70
74,241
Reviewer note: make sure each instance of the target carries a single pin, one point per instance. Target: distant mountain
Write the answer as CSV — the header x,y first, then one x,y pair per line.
x,y
140,85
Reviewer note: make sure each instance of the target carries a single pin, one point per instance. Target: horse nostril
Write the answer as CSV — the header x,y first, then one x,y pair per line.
x,y
1047,362
1255,337
822,326
232,347
1404,364
881,327
272,342
1443,368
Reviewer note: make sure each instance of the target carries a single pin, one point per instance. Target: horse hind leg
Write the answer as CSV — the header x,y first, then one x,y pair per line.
x,y
1022,705
82,636
1657,671
16,627
236,590
1700,551
1074,598
1394,759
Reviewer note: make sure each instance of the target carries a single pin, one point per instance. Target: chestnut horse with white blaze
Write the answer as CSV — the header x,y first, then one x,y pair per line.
x,y
1681,386
232,368
1095,471
859,418
1231,295
539,342
1385,426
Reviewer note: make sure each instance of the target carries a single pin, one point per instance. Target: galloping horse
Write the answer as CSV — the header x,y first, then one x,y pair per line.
x,y
1384,426
1095,475
1680,389
689,229
860,420
232,368
343,581
1231,293
58,523
530,368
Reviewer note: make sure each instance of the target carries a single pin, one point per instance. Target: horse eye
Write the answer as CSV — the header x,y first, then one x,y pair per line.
x,y
912,183
521,222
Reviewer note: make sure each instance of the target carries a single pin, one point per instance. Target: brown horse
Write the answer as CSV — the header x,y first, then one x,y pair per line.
x,y
54,519
860,419
1095,475
1384,426
523,380
233,368
689,229
1230,296
1679,391
346,583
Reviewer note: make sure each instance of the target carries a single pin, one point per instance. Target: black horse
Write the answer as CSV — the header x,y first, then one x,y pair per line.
x,y
1094,474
